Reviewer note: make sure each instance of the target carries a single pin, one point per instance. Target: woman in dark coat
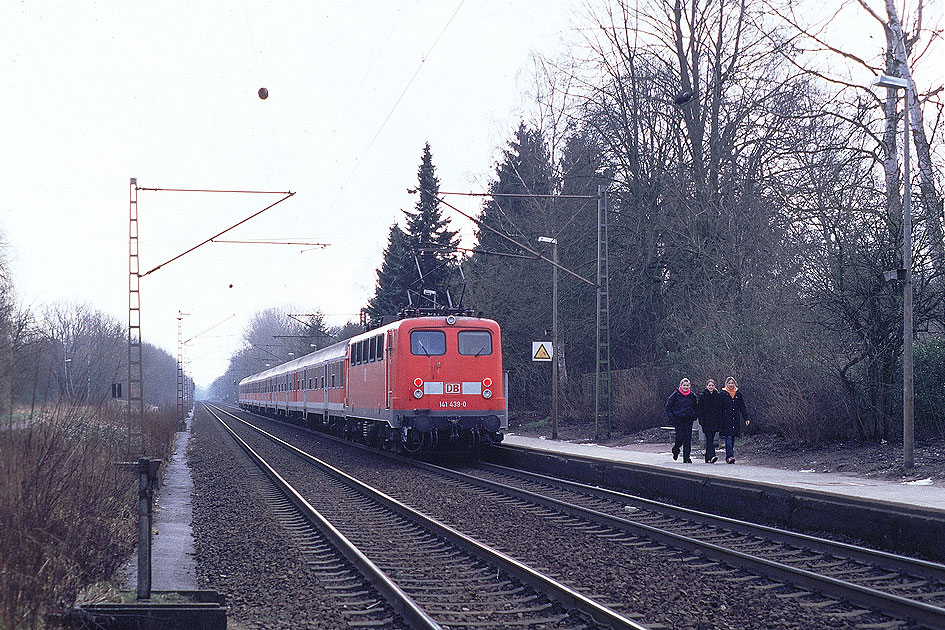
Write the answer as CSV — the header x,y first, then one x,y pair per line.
x,y
682,410
734,414
710,418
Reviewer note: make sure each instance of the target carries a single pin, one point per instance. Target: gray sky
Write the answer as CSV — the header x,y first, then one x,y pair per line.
x,y
97,93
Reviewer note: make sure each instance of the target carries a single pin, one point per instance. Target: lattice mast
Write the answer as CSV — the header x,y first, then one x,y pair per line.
x,y
602,381
180,371
135,372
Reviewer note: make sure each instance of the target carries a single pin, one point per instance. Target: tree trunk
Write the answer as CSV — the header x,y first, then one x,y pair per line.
x,y
898,65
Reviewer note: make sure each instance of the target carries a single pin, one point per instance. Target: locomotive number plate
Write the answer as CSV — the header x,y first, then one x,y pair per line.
x,y
452,404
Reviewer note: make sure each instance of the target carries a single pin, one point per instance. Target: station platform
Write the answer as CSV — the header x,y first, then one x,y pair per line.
x,y
920,493
173,566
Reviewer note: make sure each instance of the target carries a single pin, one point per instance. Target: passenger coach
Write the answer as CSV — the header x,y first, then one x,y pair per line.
x,y
432,383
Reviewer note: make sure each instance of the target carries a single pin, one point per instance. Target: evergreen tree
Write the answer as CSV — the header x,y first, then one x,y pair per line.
x,y
525,170
424,250
394,277
515,289
428,235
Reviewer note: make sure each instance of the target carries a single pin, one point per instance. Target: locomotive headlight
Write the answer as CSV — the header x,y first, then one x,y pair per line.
x,y
487,382
487,394
450,320
418,393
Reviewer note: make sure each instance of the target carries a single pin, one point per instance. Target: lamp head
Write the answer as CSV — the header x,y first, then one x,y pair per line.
x,y
886,81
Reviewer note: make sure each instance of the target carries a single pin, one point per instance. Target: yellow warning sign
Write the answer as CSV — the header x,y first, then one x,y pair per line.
x,y
542,351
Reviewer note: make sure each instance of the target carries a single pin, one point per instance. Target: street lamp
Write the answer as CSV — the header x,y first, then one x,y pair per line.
x,y
554,334
908,394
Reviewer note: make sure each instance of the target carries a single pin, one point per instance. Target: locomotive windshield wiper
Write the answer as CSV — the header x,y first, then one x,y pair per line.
x,y
422,347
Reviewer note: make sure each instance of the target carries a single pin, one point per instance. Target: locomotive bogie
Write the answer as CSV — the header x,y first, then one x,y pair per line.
x,y
417,385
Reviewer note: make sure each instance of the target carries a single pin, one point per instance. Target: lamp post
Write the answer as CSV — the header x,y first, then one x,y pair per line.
x,y
554,334
908,394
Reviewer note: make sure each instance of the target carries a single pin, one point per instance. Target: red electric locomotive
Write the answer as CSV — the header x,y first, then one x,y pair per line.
x,y
421,384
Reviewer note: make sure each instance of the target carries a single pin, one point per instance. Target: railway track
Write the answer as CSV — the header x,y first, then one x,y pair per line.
x,y
431,575
899,586
822,571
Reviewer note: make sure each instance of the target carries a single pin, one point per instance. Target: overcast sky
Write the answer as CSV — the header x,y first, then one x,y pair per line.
x,y
98,93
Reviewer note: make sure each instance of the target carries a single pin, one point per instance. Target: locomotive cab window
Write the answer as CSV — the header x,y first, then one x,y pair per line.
x,y
475,342
427,342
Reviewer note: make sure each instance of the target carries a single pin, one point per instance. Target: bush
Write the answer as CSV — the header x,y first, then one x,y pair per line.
x,y
929,375
638,401
803,412
67,511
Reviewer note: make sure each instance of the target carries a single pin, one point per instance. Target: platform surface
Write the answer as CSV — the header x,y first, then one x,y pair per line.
x,y
173,566
918,493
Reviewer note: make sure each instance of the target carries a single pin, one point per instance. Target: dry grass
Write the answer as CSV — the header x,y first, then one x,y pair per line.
x,y
67,511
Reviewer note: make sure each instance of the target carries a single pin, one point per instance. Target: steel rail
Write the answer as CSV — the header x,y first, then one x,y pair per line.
x,y
926,614
398,599
564,594
916,566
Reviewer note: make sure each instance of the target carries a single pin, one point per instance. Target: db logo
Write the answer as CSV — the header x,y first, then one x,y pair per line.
x,y
452,388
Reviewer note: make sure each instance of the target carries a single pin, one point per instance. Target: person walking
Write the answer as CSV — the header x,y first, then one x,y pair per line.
x,y
710,418
682,410
734,414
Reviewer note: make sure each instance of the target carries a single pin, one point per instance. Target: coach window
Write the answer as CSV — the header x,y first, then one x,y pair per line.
x,y
427,342
341,373
373,351
475,342
380,348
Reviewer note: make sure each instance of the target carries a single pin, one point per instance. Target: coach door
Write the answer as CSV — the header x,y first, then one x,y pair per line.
x,y
387,361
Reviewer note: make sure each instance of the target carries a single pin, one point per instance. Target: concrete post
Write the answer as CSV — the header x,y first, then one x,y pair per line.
x,y
147,474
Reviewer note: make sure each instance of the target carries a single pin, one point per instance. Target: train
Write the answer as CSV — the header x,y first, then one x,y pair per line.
x,y
420,385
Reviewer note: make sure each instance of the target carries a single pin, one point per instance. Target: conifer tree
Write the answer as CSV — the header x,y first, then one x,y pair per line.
x,y
428,233
394,276
526,172
420,257
505,282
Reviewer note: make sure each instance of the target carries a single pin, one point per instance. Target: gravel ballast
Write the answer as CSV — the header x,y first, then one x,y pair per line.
x,y
242,552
